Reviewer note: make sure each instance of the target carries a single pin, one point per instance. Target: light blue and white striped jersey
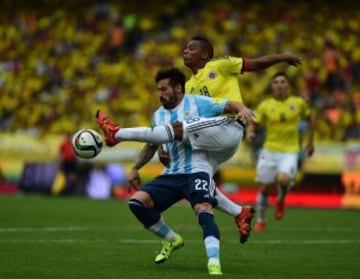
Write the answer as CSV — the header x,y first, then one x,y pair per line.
x,y
183,159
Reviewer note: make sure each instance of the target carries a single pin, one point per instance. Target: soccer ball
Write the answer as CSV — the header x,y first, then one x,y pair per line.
x,y
87,143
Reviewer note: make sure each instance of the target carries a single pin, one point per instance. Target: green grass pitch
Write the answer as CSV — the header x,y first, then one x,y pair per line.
x,y
59,237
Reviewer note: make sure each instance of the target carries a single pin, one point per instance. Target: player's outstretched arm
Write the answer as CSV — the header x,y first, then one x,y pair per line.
x,y
242,112
263,62
250,131
309,148
145,156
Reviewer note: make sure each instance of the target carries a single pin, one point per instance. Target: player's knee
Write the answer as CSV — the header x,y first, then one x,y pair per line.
x,y
283,179
147,216
134,205
202,207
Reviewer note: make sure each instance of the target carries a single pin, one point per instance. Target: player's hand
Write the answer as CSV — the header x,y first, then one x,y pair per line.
x,y
134,180
293,60
245,114
249,136
309,149
164,157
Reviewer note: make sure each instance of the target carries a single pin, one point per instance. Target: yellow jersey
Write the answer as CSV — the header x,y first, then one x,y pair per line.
x,y
219,78
281,120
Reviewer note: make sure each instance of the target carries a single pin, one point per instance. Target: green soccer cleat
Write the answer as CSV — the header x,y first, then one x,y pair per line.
x,y
214,269
168,248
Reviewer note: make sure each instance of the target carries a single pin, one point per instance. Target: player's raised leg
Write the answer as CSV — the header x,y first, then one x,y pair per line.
x,y
155,135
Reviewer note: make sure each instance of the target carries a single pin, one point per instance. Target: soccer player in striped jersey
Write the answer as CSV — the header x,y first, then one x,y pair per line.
x,y
219,78
194,146
277,164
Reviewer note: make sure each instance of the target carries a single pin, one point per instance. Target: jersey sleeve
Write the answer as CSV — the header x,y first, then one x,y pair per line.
x,y
209,107
231,65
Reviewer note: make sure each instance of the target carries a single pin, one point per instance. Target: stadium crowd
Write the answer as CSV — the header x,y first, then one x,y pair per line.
x,y
58,66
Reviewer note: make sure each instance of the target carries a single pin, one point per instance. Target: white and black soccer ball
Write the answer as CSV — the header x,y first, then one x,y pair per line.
x,y
87,143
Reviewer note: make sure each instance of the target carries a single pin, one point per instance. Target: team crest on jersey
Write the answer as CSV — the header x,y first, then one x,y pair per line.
x,y
212,75
292,107
186,114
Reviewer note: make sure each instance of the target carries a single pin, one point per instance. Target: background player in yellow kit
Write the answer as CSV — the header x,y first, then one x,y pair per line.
x,y
277,164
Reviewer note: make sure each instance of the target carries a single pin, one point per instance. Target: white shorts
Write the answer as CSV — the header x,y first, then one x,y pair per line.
x,y
220,137
271,163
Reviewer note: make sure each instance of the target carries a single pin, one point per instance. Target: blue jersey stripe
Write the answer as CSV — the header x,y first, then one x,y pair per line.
x,y
175,149
188,156
192,106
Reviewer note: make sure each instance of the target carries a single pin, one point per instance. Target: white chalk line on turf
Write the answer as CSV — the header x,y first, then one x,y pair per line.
x,y
44,229
179,227
149,241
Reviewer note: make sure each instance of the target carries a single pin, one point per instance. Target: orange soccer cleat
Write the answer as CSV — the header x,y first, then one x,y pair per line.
x,y
109,127
260,226
280,210
243,222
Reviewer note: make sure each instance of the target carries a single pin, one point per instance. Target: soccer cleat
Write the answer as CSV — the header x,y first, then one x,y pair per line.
x,y
260,226
243,222
214,269
109,127
168,248
280,210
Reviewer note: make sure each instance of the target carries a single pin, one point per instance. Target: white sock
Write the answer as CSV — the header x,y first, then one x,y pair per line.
x,y
262,204
212,247
226,205
156,135
162,230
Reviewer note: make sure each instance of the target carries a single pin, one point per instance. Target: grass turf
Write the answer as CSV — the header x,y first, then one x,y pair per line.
x,y
58,237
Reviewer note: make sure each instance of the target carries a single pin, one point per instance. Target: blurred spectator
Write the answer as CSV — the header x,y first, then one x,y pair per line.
x,y
331,58
118,178
352,130
99,184
68,164
58,65
2,176
117,174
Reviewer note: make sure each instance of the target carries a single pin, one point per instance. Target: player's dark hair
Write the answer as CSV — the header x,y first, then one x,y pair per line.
x,y
174,75
280,74
206,45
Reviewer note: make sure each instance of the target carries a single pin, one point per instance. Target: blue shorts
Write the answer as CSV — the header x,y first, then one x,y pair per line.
x,y
165,190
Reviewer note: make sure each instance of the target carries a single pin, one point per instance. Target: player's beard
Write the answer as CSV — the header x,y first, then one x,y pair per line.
x,y
170,103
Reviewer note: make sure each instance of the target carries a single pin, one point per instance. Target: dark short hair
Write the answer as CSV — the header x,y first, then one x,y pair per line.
x,y
174,75
206,45
280,74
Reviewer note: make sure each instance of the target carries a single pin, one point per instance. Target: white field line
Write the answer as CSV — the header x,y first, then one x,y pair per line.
x,y
44,229
157,242
148,241
178,227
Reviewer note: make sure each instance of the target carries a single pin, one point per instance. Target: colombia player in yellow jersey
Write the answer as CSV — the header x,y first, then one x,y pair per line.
x,y
277,164
219,78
